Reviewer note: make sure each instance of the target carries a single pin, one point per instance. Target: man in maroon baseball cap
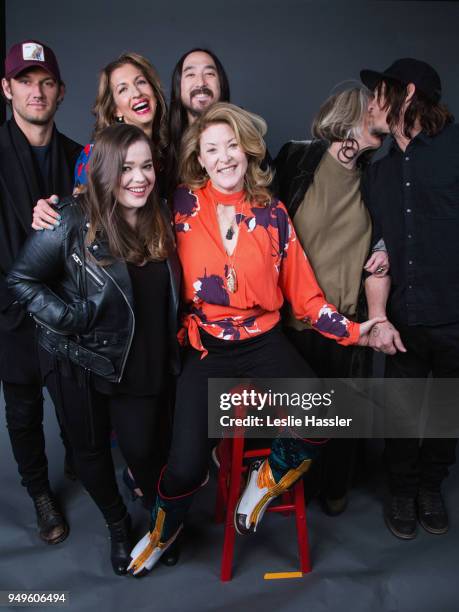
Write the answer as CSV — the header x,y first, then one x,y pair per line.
x,y
29,54
35,161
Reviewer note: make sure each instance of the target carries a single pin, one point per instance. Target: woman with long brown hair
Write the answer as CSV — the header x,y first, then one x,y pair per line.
x,y
129,91
103,288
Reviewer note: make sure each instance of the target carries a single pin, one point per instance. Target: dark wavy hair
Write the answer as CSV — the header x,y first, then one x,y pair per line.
x,y
178,119
432,116
152,239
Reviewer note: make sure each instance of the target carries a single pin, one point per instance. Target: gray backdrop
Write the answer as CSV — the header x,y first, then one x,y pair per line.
x,y
283,57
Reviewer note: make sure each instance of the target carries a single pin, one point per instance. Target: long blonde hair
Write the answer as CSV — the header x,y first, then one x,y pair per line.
x,y
248,129
341,115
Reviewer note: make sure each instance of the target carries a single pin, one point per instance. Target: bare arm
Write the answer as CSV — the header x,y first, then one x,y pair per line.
x,y
383,337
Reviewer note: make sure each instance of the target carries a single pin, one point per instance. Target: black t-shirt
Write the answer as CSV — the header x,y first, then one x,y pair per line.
x,y
42,158
147,363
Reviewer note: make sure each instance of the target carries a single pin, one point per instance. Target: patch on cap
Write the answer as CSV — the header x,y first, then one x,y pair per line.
x,y
33,52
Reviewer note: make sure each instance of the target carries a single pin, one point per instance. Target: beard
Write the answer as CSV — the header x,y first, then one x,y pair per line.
x,y
377,131
41,119
196,111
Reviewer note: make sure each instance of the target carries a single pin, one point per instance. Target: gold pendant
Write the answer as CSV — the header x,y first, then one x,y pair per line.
x,y
231,280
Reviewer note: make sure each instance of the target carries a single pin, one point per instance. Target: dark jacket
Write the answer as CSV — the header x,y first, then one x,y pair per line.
x,y
85,312
19,191
295,166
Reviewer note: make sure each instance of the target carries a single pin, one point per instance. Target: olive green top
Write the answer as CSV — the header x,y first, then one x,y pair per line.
x,y
334,228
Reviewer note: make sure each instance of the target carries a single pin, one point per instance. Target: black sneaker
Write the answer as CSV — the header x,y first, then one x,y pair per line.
x,y
52,526
432,513
400,516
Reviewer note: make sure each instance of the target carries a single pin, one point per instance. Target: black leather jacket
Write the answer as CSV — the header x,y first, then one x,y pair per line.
x,y
295,165
84,312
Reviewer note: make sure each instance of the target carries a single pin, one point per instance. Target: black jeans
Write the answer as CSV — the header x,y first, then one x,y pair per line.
x,y
411,463
269,355
24,419
88,418
331,360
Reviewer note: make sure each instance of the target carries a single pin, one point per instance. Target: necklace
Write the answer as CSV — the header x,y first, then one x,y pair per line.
x,y
230,271
231,231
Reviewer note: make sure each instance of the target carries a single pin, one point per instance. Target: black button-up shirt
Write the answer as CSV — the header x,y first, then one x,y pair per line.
x,y
413,197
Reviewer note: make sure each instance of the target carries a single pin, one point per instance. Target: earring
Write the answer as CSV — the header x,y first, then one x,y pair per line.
x,y
119,119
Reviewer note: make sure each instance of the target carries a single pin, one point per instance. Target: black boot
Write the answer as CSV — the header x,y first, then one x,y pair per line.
x,y
52,526
432,512
400,516
171,556
120,533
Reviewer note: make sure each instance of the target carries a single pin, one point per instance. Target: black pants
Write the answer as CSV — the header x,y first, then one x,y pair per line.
x,y
269,355
24,419
331,360
88,418
411,463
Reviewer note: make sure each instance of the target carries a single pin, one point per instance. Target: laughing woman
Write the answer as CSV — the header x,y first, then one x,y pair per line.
x,y
129,91
103,289
240,259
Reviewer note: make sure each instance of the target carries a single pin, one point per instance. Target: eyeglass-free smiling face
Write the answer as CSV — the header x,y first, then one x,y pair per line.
x,y
199,84
223,158
137,179
133,95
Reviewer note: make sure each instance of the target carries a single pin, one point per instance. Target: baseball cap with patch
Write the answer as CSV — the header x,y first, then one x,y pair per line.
x,y
407,70
28,54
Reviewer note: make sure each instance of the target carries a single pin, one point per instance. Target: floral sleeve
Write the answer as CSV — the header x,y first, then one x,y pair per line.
x,y
80,174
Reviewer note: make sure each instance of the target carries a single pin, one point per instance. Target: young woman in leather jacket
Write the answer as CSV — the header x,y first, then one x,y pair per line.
x,y
104,289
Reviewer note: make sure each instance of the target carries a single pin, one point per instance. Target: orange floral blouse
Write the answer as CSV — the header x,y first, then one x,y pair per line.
x,y
269,263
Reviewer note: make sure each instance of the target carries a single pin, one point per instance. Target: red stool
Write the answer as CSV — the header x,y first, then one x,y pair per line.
x,y
231,454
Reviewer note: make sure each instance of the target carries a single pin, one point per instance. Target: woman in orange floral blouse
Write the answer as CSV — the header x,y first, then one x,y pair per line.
x,y
240,259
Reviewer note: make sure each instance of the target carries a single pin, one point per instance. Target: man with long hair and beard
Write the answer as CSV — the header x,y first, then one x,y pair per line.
x,y
412,190
198,80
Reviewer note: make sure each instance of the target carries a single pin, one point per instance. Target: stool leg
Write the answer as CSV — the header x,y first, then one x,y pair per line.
x,y
302,527
220,500
233,497
222,479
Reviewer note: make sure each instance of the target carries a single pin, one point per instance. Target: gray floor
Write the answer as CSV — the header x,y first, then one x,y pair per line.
x,y
357,564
